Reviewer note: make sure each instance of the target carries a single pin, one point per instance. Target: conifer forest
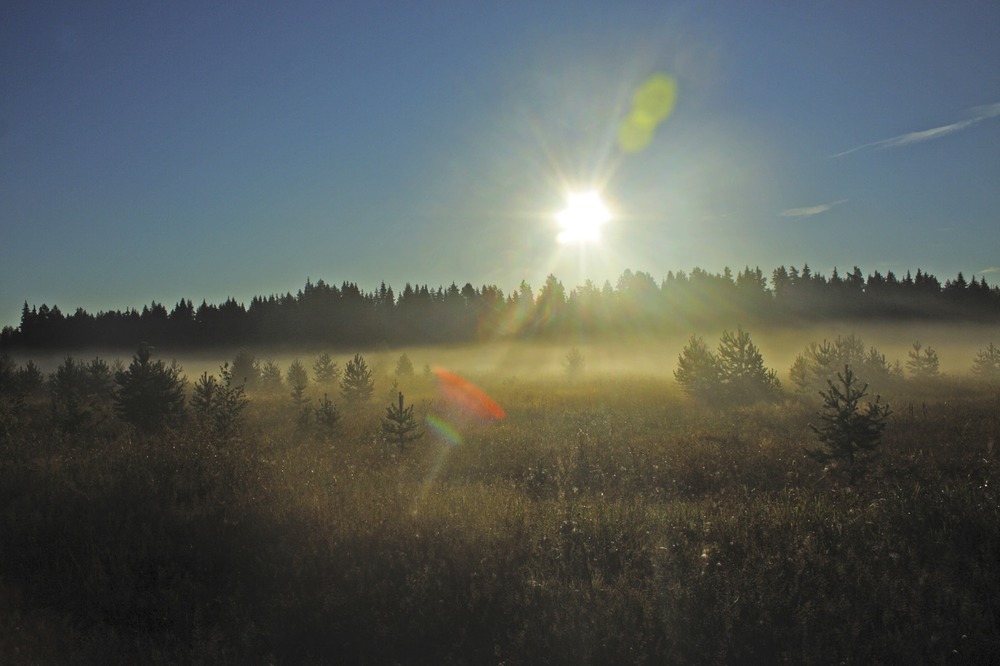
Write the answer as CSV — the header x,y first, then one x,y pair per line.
x,y
709,469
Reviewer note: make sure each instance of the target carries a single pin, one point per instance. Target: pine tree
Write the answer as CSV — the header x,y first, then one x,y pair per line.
x,y
404,366
150,395
270,376
298,380
399,425
218,405
245,369
923,362
327,418
742,373
987,364
846,431
698,370
574,363
325,370
357,384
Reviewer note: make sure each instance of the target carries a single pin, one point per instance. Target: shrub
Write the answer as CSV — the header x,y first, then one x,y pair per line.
x,y
150,395
845,430
357,384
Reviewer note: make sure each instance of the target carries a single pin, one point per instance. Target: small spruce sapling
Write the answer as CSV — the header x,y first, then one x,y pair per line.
x,y
846,431
574,363
399,425
149,394
987,364
923,362
327,418
404,366
297,380
357,384
325,370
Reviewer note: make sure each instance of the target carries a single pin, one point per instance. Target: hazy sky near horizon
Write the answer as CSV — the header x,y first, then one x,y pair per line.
x,y
166,150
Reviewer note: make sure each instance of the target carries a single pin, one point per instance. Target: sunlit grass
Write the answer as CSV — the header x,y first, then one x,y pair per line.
x,y
606,519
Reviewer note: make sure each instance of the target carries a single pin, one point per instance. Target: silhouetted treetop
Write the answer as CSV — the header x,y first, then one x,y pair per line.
x,y
324,314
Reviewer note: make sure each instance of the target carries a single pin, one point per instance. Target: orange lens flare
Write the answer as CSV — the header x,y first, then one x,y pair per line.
x,y
467,396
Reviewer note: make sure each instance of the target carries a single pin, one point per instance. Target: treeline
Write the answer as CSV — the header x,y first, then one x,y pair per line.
x,y
324,314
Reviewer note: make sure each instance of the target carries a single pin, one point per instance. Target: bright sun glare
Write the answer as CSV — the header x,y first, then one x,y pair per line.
x,y
581,221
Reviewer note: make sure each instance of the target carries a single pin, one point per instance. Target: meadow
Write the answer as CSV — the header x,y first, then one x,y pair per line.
x,y
606,518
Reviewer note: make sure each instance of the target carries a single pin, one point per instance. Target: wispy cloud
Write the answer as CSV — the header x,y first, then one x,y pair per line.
x,y
978,115
809,211
991,269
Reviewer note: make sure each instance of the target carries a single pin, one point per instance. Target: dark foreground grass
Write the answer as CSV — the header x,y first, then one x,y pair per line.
x,y
604,522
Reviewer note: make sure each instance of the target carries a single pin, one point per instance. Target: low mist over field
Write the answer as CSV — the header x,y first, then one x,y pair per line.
x,y
640,356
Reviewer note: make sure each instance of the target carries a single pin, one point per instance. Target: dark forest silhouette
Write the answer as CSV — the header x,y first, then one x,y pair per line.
x,y
324,314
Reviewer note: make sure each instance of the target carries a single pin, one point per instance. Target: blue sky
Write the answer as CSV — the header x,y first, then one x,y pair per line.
x,y
154,151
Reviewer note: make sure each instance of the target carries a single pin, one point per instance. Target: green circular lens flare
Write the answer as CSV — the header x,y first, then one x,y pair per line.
x,y
652,103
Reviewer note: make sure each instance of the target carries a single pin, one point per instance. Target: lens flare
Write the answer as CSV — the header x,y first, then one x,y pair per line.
x,y
468,397
444,430
652,103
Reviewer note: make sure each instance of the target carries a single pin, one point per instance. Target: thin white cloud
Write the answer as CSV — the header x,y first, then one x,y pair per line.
x,y
979,114
809,211
991,269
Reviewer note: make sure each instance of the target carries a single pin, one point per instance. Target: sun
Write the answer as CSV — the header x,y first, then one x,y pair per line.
x,y
583,218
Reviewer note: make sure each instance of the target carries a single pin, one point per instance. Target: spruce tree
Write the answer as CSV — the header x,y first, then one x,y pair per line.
x,y
742,373
399,425
987,364
297,380
698,370
150,395
357,384
923,362
325,370
846,431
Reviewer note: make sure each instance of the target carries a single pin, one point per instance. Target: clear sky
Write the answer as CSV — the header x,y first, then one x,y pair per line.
x,y
160,150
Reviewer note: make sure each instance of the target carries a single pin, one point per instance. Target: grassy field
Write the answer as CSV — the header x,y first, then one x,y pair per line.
x,y
604,520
